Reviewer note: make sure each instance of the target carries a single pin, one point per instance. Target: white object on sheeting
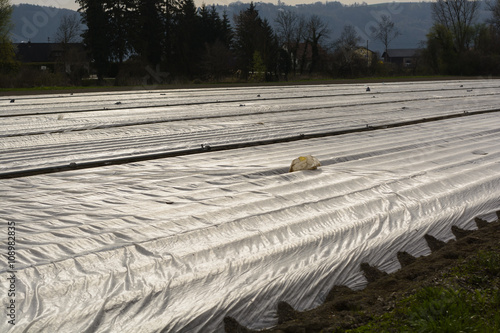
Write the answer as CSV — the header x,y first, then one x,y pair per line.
x,y
304,163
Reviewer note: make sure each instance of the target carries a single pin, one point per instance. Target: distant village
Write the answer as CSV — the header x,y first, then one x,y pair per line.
x,y
112,43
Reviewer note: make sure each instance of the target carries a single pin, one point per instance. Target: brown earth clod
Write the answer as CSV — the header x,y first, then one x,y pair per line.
x,y
285,312
372,273
231,325
460,233
434,243
405,258
480,222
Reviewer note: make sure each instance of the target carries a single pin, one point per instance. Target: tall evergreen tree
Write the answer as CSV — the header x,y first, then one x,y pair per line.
x,y
98,34
118,13
166,35
167,11
252,34
148,33
226,31
217,58
210,24
270,49
187,51
247,24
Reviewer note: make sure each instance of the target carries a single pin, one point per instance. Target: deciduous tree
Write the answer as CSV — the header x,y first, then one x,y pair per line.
x,y
440,53
7,54
385,31
494,7
287,22
5,14
317,30
346,47
69,29
458,17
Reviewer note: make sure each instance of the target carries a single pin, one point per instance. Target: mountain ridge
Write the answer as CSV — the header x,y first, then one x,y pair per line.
x,y
413,19
37,24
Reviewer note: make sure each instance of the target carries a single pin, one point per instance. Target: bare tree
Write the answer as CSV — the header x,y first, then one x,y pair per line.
x,y
69,29
317,30
300,37
347,46
494,7
458,17
286,22
385,31
290,31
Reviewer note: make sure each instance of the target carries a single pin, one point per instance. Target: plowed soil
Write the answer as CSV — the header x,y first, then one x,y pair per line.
x,y
347,309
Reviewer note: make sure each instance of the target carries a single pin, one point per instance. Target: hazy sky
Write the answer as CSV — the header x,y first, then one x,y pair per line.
x,y
72,5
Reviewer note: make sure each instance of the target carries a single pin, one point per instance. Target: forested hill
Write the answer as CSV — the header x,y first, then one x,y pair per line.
x,y
39,23
412,19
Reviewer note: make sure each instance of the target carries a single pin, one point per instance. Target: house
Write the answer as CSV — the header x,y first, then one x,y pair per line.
x,y
304,57
53,56
402,57
365,53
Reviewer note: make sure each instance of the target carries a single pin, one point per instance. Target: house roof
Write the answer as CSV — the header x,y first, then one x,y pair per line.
x,y
401,53
308,53
364,49
42,52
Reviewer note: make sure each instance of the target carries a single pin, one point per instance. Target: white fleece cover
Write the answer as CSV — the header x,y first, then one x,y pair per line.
x,y
177,244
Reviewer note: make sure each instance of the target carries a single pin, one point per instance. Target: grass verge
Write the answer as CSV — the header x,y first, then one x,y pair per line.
x,y
467,299
295,81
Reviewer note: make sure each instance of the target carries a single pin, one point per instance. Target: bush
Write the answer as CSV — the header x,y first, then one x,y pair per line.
x,y
29,77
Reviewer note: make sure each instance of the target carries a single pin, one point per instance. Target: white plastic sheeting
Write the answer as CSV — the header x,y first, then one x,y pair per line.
x,y
142,126
177,244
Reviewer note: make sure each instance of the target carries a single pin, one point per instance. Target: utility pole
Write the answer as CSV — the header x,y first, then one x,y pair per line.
x,y
367,55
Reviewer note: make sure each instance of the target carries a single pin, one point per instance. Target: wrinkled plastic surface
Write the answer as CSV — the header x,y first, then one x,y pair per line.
x,y
59,130
177,244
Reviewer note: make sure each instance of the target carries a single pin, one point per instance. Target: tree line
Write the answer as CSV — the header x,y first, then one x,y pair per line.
x,y
173,39
164,41
459,45
176,39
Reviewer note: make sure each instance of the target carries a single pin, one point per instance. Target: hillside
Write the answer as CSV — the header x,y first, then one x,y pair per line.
x,y
413,19
39,23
